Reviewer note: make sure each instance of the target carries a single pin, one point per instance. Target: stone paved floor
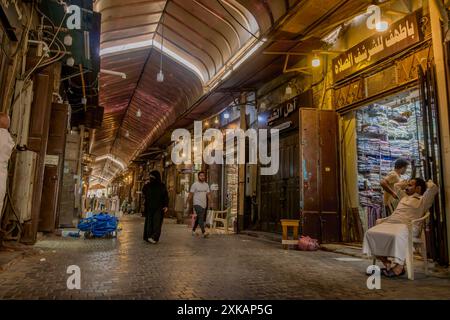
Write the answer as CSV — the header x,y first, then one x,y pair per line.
x,y
186,267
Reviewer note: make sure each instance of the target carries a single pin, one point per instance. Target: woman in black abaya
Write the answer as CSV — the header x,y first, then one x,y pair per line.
x,y
156,203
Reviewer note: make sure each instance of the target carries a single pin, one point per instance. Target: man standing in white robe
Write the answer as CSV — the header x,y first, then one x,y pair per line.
x,y
6,146
390,238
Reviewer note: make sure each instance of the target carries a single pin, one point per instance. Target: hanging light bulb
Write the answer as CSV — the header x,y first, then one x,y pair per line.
x,y
382,26
288,90
262,105
206,123
138,113
216,121
68,40
70,61
160,75
127,134
316,61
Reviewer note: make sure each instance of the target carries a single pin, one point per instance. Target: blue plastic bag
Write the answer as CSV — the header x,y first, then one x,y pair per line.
x,y
99,225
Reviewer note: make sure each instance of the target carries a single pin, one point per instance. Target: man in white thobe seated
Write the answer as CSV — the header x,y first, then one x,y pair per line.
x,y
390,238
6,146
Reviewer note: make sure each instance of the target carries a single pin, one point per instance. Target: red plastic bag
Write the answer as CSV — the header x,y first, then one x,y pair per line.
x,y
308,244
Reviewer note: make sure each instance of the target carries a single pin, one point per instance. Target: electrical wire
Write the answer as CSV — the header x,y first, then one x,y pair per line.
x,y
162,41
13,209
24,35
21,45
40,60
45,16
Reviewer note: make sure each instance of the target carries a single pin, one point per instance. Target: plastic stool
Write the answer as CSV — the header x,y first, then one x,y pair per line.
x,y
285,223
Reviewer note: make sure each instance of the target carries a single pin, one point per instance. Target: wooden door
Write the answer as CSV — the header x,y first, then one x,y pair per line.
x,y
53,172
329,177
319,202
37,142
280,192
309,169
49,199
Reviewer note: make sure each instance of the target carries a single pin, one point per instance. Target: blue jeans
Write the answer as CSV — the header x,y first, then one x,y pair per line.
x,y
201,216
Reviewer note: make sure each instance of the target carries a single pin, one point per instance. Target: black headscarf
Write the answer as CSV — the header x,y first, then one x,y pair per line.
x,y
155,177
155,192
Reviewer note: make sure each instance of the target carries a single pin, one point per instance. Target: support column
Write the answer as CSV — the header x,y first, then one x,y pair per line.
x,y
438,50
243,126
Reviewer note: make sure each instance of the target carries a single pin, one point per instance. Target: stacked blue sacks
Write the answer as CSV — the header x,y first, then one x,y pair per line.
x,y
99,225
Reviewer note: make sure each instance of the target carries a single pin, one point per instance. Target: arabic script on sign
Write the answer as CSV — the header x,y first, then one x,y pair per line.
x,y
401,35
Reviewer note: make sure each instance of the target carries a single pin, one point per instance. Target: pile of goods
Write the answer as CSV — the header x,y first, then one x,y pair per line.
x,y
99,226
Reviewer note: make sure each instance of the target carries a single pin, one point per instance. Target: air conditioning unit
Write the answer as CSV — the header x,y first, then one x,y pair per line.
x,y
23,184
20,119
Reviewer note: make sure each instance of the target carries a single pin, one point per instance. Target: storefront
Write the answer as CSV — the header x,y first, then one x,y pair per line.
x,y
386,97
178,179
387,130
280,193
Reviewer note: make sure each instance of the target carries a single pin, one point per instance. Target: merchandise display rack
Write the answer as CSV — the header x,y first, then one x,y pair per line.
x,y
386,131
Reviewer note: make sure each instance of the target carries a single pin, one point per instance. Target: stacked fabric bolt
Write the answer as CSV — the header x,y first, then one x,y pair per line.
x,y
402,149
374,179
374,212
373,129
369,197
362,182
365,198
385,167
369,145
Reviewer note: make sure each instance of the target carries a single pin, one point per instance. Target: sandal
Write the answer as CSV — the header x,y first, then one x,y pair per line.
x,y
403,270
389,273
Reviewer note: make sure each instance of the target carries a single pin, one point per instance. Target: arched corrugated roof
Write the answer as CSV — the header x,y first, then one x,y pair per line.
x,y
201,37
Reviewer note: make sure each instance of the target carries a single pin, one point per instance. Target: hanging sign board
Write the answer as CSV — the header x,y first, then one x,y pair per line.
x,y
285,111
401,35
51,160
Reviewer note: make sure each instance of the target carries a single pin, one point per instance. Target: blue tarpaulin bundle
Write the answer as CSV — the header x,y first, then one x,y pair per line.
x,y
99,225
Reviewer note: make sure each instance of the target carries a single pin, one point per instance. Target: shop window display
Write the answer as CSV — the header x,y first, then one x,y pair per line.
x,y
386,131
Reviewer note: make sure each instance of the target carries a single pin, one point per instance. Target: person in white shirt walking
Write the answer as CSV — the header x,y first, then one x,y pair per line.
x,y
6,147
200,194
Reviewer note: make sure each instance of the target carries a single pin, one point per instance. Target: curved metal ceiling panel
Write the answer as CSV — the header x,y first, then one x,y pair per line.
x,y
200,34
123,134
200,38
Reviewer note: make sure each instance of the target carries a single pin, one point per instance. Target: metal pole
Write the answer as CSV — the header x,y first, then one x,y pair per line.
x,y
241,190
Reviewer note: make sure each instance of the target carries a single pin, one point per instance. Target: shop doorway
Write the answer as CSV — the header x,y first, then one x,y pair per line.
x,y
231,188
404,125
387,130
280,194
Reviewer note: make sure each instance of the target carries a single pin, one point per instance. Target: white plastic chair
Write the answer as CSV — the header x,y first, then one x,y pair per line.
x,y
223,217
420,240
